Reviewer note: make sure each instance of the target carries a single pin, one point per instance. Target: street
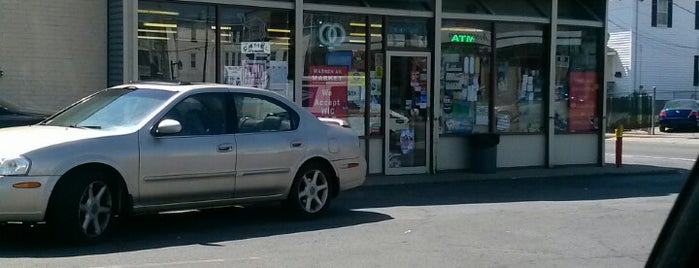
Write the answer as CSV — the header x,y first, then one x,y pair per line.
x,y
557,222
577,221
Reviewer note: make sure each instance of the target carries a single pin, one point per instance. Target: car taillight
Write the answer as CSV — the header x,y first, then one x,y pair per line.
x,y
693,113
662,114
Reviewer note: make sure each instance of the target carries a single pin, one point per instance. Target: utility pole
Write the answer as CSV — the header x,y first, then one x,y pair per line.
x,y
652,113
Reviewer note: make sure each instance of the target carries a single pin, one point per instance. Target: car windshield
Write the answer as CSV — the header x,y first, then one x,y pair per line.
x,y
111,109
681,104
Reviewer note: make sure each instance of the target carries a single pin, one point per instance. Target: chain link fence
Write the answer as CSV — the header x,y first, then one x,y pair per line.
x,y
636,111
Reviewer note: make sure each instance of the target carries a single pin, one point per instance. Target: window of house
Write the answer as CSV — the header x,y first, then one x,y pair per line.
x,y
193,60
661,13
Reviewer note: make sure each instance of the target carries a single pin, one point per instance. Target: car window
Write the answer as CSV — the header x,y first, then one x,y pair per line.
x,y
681,104
261,114
200,114
111,109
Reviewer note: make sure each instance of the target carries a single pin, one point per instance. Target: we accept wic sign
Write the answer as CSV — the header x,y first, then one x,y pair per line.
x,y
328,91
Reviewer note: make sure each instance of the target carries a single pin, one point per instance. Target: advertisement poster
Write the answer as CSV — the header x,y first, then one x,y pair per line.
x,y
233,75
255,73
355,86
327,91
278,72
407,140
583,101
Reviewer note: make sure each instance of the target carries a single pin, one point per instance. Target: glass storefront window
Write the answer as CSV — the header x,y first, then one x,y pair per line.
x,y
176,42
465,76
377,60
577,82
334,80
256,47
521,75
407,33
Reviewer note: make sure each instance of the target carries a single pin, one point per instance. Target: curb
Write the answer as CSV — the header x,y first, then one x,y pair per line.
x,y
447,177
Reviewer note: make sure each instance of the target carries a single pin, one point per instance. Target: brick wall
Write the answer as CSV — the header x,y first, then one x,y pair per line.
x,y
52,52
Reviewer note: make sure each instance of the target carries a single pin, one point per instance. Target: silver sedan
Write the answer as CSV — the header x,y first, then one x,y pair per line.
x,y
151,147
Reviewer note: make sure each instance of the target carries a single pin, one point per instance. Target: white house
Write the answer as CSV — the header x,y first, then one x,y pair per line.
x,y
653,43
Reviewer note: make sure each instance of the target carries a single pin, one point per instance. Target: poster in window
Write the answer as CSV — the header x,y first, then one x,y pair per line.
x,y
327,94
233,75
583,101
255,73
278,72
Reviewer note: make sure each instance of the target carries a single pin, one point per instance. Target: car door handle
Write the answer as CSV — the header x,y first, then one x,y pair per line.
x,y
296,144
226,147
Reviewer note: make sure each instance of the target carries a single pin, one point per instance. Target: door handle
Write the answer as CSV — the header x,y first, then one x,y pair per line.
x,y
296,144
226,147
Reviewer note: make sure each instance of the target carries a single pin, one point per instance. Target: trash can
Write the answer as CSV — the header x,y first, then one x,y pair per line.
x,y
484,152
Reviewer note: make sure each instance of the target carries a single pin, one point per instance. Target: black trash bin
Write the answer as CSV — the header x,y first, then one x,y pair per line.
x,y
484,152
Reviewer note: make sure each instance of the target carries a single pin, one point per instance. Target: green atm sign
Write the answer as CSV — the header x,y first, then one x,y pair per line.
x,y
463,38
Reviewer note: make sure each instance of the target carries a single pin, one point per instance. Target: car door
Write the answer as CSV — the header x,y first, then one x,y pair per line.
x,y
195,164
269,145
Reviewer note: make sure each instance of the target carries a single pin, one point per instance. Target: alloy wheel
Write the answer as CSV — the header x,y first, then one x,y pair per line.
x,y
95,209
313,191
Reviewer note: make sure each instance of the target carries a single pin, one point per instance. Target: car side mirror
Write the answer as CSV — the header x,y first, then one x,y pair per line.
x,y
168,126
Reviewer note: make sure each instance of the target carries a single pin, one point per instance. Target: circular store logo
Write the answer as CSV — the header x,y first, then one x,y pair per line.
x,y
332,34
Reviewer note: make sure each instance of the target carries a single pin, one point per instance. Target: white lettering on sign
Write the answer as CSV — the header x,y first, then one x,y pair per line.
x,y
255,47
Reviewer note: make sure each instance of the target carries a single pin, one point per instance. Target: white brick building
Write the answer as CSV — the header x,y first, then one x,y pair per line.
x,y
653,43
50,63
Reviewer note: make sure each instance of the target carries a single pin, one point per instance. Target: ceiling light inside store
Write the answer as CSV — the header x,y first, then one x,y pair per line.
x,y
462,29
225,28
280,43
153,37
272,30
164,25
357,41
360,24
158,12
157,31
363,34
281,37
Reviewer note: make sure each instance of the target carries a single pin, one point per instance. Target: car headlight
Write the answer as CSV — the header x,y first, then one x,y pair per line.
x,y
16,165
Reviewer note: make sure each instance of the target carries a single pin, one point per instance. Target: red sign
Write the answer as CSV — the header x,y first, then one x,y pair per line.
x,y
582,105
328,91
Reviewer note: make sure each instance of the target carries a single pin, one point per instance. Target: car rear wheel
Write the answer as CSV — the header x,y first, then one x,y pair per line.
x,y
310,192
662,129
83,209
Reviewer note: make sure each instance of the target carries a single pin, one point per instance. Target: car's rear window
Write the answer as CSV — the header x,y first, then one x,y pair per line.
x,y
681,104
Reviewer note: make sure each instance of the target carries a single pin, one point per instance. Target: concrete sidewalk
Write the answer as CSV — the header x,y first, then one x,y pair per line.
x,y
521,173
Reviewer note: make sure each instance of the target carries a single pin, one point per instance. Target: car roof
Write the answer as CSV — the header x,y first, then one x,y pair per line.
x,y
181,86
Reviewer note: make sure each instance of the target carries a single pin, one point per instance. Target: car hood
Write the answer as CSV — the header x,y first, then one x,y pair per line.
x,y
21,140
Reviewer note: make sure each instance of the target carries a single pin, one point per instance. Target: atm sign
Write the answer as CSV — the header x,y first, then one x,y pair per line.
x,y
463,38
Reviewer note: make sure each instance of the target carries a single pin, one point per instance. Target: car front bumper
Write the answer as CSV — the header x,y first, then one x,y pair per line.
x,y
24,205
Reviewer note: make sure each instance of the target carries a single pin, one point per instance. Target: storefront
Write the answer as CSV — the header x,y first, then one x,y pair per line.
x,y
416,79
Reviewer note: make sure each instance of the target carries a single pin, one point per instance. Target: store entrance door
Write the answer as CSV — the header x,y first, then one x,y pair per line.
x,y
407,142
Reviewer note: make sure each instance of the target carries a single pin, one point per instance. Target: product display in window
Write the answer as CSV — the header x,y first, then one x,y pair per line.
x,y
519,89
335,75
577,81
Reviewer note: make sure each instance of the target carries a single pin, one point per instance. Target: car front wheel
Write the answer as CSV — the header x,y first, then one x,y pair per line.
x,y
84,209
310,192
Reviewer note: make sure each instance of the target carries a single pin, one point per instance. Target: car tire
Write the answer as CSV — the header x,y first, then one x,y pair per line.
x,y
662,129
310,194
83,208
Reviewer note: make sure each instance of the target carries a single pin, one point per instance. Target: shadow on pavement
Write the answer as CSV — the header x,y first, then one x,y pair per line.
x,y
206,227
209,227
573,188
